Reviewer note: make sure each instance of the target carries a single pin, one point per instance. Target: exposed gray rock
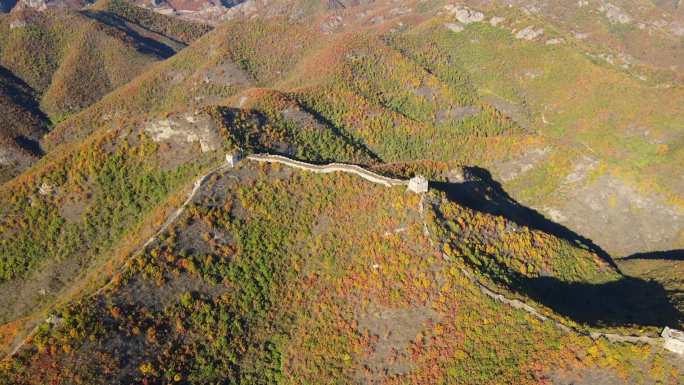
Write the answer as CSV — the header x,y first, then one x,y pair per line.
x,y
227,73
517,112
457,113
454,27
17,24
395,329
399,11
581,170
496,20
615,14
464,14
529,33
674,340
554,214
621,218
533,73
46,189
580,35
521,164
242,10
186,127
459,175
377,19
5,156
39,5
677,28
331,24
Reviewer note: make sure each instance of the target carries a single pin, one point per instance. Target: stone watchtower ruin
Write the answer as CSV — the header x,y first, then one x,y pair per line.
x,y
674,340
418,184
232,158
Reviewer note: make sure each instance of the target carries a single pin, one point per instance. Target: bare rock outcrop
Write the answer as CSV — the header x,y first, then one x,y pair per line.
x,y
187,127
529,33
454,27
615,14
674,340
624,219
464,14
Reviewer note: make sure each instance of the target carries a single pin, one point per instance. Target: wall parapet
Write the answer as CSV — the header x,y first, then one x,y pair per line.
x,y
329,168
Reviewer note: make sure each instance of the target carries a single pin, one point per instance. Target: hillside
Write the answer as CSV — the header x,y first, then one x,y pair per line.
x,y
274,276
172,28
22,126
547,249
78,208
58,61
560,130
74,58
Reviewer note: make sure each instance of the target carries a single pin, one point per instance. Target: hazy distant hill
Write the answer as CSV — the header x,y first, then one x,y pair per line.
x,y
56,62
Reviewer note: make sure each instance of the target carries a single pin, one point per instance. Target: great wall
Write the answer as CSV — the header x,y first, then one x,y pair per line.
x,y
417,184
327,168
671,339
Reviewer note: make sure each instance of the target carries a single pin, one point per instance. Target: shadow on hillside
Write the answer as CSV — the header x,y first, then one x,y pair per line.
x,y
142,43
626,302
29,144
341,133
247,128
484,194
670,255
21,94
6,6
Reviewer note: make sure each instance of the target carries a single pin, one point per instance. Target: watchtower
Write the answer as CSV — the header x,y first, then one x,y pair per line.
x,y
418,184
232,158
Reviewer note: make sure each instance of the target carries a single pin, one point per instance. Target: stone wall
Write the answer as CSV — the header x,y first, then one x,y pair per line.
x,y
331,167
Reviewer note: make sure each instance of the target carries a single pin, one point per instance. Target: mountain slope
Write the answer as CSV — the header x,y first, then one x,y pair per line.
x,y
273,275
72,59
172,28
560,129
21,128
69,214
57,62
